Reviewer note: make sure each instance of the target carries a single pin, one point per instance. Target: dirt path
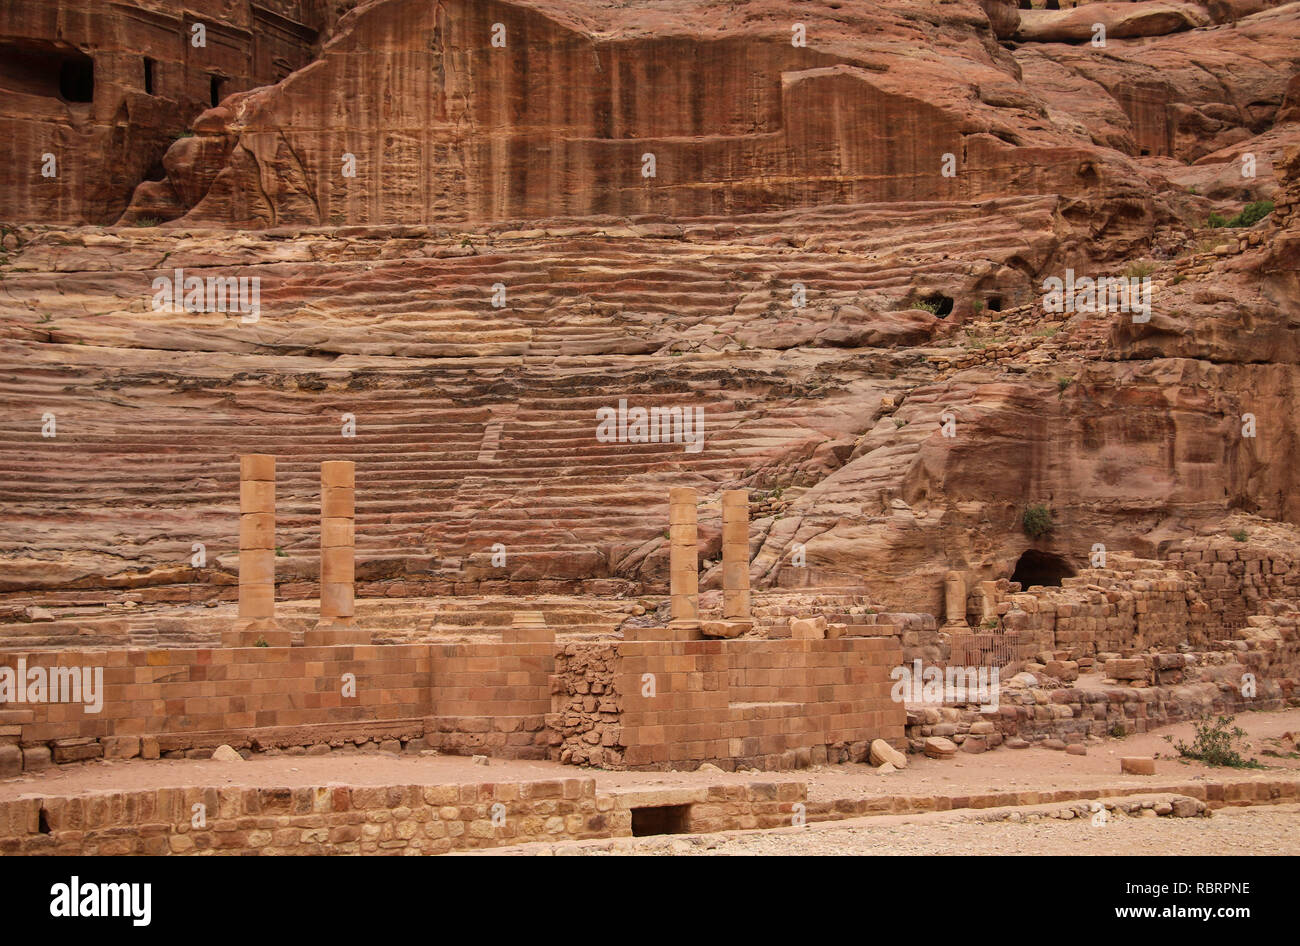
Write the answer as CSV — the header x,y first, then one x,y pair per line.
x,y
1249,831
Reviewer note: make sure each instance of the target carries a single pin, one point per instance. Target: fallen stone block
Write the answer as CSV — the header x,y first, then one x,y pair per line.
x,y
1132,765
1126,669
937,747
882,753
725,629
36,758
808,628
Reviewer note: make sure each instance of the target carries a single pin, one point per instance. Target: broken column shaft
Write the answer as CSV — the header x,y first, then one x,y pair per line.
x,y
256,621
735,555
683,560
337,623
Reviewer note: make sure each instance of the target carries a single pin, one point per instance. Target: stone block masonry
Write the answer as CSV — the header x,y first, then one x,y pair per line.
x,y
768,704
332,819
652,704
389,819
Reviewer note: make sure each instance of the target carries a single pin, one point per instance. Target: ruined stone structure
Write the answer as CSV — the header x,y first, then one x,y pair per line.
x,y
801,253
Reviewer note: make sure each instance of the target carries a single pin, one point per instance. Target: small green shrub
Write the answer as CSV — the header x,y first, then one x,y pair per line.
x,y
931,307
1037,521
261,642
1118,731
1063,383
1238,534
146,222
1139,269
1216,221
1252,214
280,553
1215,744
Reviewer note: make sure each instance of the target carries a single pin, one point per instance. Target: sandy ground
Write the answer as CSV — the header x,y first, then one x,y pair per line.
x,y
1240,831
1000,769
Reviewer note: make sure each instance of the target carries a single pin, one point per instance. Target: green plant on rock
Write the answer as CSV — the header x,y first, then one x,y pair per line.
x,y
261,642
1239,535
1217,221
1037,520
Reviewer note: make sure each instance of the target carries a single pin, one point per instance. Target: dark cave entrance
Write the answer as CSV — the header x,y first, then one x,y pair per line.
x,y
939,304
54,71
1041,568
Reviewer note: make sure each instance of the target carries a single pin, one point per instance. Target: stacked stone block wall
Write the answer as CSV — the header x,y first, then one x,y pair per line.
x,y
770,704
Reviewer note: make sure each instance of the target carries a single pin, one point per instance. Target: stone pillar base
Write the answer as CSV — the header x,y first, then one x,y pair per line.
x,y
335,634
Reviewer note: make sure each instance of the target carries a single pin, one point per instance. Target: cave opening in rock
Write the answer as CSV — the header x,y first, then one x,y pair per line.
x,y
1041,568
214,90
939,304
148,76
47,69
994,303
77,78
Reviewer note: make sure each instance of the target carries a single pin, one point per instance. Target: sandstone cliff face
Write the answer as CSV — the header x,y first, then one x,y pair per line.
x,y
783,173
104,89
415,116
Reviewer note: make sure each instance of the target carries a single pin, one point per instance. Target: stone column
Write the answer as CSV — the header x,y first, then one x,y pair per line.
x,y
683,562
954,601
337,623
735,555
256,622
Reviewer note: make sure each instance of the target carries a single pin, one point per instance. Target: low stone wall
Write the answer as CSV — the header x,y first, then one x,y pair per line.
x,y
1236,578
1131,607
768,704
458,698
1190,685
398,819
402,819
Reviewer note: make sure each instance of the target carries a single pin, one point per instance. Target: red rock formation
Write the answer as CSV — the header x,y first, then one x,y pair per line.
x,y
105,89
778,167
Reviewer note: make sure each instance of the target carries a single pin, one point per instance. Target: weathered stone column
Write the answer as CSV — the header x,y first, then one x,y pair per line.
x,y
337,623
735,555
683,560
256,622
954,601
